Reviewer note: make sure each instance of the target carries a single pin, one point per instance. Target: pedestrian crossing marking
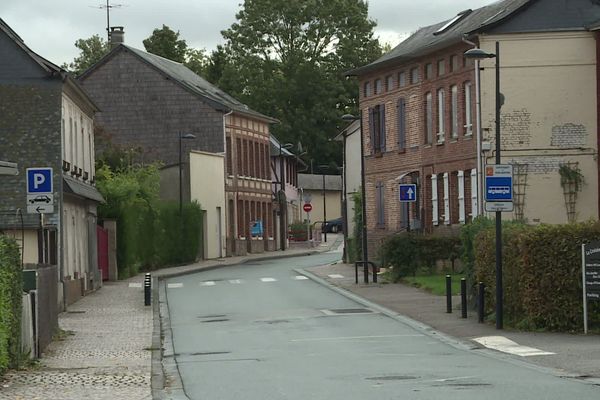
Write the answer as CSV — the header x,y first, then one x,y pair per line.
x,y
335,276
506,345
268,279
300,277
174,285
208,283
135,285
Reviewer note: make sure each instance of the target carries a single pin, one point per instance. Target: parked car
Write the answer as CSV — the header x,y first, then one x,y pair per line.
x,y
334,226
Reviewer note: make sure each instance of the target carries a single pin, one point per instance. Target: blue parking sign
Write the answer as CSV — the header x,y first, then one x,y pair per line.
x,y
39,180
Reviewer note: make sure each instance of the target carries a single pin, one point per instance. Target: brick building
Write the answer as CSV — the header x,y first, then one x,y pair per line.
x,y
420,110
148,101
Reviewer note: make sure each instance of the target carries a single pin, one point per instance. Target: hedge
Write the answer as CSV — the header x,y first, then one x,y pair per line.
x,y
541,275
11,286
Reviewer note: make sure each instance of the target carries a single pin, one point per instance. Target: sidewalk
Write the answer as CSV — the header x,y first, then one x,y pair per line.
x,y
575,354
106,349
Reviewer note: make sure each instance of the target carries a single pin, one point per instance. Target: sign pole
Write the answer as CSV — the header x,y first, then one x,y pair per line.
x,y
585,315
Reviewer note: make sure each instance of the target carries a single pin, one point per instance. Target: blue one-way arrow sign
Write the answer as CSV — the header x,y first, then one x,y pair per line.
x,y
408,192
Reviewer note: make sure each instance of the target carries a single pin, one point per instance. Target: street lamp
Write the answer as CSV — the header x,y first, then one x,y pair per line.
x,y
479,54
350,118
324,168
181,137
280,198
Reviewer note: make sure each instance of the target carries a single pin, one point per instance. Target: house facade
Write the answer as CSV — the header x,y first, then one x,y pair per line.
x,y
47,120
148,102
421,104
325,194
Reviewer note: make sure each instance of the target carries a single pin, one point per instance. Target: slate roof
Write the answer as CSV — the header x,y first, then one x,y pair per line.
x,y
188,80
315,182
424,41
275,148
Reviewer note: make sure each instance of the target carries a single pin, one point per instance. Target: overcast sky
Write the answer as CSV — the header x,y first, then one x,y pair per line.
x,y
51,27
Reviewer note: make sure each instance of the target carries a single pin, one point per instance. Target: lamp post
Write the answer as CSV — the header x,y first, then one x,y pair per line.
x,y
479,54
324,168
365,254
181,137
280,199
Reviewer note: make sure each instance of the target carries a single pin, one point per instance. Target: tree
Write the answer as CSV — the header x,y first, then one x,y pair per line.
x,y
92,50
287,59
197,61
166,43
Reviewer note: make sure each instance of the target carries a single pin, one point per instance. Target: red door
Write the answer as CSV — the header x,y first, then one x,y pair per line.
x,y
102,235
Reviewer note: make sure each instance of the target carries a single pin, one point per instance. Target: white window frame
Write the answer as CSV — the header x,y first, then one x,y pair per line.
x,y
474,192
454,111
434,201
468,108
446,200
441,115
461,197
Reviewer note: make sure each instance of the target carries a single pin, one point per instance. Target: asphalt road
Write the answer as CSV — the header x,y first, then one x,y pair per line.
x,y
259,331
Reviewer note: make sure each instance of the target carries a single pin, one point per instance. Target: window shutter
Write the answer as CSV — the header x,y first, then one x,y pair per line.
x,y
446,199
474,194
382,128
401,124
461,197
372,129
434,200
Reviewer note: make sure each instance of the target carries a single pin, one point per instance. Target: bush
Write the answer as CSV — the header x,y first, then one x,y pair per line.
x,y
298,231
11,288
408,252
542,274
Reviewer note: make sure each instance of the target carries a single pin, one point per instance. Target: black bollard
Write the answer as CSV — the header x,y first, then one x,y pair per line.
x,y
480,302
463,297
147,290
448,294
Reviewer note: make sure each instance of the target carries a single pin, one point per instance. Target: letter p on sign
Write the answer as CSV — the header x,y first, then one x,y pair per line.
x,y
39,180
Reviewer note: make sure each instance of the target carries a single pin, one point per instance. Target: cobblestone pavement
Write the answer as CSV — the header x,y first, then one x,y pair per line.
x,y
105,352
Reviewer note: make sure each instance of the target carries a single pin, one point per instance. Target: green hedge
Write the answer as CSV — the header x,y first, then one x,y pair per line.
x,y
11,284
408,252
541,274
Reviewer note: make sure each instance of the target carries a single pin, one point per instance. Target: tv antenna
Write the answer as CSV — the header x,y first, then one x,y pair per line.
x,y
108,6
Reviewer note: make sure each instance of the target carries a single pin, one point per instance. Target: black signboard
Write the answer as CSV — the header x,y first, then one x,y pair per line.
x,y
591,253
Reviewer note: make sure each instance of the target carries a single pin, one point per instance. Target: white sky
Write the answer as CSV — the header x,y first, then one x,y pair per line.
x,y
51,27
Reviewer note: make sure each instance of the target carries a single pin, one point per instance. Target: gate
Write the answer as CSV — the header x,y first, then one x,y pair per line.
x,y
102,235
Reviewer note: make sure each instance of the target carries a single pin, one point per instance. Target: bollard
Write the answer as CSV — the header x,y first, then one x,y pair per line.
x,y
356,273
448,294
147,290
463,297
480,302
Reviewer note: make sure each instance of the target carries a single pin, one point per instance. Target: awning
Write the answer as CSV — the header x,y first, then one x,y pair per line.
x,y
81,189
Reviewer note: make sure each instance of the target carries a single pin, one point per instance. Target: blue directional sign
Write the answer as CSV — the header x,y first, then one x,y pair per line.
x,y
408,193
39,180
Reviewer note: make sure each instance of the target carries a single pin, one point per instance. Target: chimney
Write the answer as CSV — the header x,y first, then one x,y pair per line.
x,y
117,36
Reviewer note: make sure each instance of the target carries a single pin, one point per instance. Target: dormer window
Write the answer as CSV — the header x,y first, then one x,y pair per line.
x,y
453,21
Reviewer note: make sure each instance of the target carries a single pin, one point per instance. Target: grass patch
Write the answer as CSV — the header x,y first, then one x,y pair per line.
x,y
435,284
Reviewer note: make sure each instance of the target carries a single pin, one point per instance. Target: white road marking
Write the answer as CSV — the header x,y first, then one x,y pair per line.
x,y
268,279
135,285
235,281
335,276
300,277
353,337
174,285
506,345
207,283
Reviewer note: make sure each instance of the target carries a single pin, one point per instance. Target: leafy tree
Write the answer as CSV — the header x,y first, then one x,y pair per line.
x,y
92,50
166,43
197,61
287,58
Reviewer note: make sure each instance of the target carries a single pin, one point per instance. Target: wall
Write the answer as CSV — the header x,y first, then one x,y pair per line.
x,y
552,119
207,187
333,202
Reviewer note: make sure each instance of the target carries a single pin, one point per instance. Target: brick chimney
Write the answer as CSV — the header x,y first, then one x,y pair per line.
x,y
117,36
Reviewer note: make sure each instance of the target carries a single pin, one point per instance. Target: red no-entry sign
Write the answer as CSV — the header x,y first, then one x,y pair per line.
x,y
307,207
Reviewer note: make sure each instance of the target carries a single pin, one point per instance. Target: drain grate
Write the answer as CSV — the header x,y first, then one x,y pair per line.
x,y
393,378
76,312
212,316
347,311
215,320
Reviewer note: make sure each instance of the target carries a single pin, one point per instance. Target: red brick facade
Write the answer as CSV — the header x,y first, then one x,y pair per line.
x,y
412,157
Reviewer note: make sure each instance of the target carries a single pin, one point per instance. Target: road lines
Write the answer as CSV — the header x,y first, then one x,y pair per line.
x,y
179,285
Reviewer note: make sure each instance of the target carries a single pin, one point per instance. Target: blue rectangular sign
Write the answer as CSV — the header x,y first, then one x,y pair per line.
x,y
39,180
498,188
408,192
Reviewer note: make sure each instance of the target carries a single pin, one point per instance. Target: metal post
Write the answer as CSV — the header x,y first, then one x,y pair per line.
x,y
463,297
324,212
448,294
344,202
365,254
480,302
282,206
499,289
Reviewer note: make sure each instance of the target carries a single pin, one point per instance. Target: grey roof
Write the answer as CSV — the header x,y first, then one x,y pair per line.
x,y
315,182
80,189
425,41
275,148
188,79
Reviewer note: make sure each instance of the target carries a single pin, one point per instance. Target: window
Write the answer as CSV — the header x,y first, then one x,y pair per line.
x,y
71,142
441,67
461,197
238,152
428,119
434,200
468,108
367,89
389,83
246,162
428,71
414,75
453,63
454,111
228,155
378,86
441,115
380,201
401,124
377,128
402,79
446,199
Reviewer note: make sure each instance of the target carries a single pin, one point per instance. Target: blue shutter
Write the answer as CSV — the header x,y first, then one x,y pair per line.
x,y
372,129
401,124
382,128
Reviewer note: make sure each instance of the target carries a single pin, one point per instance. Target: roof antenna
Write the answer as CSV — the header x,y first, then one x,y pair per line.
x,y
108,6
